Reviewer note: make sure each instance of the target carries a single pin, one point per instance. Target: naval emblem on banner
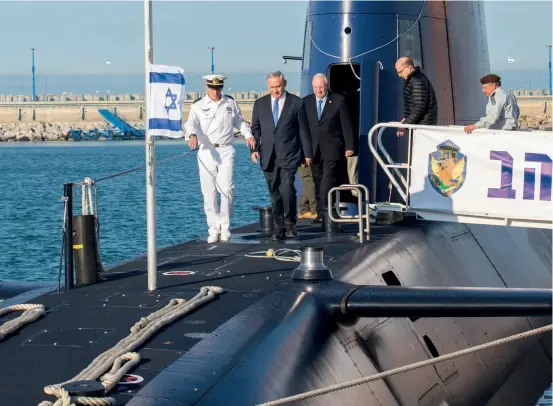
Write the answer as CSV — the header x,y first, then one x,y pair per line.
x,y
447,168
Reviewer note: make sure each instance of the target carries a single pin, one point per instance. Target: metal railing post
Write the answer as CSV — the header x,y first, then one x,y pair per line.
x,y
68,195
352,219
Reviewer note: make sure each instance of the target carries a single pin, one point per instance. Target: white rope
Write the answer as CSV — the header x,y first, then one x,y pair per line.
x,y
87,202
121,358
84,200
277,254
91,204
31,312
431,361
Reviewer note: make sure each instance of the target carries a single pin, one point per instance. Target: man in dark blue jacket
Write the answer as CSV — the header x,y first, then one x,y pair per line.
x,y
419,101
283,142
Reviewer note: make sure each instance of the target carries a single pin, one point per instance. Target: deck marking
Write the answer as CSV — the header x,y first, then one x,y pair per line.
x,y
179,273
130,379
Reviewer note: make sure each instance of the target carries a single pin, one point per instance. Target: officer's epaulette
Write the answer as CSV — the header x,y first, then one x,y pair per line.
x,y
197,100
230,97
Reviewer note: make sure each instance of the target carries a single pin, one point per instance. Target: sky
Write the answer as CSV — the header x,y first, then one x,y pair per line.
x,y
77,37
519,29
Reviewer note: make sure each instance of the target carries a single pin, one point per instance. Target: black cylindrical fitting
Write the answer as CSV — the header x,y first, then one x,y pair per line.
x,y
265,219
85,247
399,301
85,388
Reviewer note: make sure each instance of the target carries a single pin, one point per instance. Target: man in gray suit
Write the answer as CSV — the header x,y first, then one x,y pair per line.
x,y
283,143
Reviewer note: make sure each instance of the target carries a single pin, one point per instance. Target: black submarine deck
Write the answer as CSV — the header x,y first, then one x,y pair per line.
x,y
186,358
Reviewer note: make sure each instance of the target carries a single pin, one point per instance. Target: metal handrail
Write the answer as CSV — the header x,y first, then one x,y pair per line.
x,y
353,219
403,192
394,165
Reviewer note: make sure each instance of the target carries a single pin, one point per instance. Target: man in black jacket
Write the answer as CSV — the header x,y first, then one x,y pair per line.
x,y
419,101
283,143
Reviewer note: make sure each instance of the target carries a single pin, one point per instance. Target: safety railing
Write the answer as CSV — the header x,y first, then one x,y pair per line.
x,y
362,205
433,208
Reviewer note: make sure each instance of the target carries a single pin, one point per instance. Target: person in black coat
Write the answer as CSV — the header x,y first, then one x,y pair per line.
x,y
419,101
283,143
332,138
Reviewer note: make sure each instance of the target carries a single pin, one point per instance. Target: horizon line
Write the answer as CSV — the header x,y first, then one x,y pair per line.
x,y
201,72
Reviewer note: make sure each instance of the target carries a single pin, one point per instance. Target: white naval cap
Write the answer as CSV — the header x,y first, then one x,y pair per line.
x,y
214,81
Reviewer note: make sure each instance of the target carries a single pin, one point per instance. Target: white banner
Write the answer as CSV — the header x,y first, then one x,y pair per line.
x,y
502,174
165,103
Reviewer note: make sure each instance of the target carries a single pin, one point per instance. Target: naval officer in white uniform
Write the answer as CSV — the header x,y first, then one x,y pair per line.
x,y
210,127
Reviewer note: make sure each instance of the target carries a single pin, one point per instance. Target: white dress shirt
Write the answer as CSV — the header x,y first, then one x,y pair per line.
x,y
214,122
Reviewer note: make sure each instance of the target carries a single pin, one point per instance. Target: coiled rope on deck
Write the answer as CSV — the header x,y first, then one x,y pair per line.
x,y
278,254
121,358
395,371
31,312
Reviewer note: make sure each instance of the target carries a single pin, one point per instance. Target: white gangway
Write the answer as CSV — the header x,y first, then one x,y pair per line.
x,y
487,177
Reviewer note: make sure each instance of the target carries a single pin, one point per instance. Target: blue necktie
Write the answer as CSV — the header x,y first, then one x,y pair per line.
x,y
319,108
275,112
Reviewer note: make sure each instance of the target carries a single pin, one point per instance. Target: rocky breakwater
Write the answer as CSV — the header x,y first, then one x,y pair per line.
x,y
48,131
541,122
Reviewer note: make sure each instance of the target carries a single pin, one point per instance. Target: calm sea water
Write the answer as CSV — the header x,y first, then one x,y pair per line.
x,y
31,210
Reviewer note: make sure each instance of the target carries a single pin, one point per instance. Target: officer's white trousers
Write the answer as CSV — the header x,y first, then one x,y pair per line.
x,y
216,166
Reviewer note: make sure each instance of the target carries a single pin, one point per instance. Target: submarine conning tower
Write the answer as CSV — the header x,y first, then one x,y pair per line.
x,y
356,44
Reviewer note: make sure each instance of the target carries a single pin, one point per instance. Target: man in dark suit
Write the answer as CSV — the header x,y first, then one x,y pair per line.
x,y
332,138
283,143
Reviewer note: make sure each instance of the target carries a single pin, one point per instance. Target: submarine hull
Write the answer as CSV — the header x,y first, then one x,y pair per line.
x,y
291,345
268,336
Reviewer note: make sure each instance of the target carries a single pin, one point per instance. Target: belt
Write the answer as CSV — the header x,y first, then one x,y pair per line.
x,y
222,145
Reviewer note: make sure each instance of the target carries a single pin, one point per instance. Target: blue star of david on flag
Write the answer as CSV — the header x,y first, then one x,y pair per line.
x,y
164,106
170,99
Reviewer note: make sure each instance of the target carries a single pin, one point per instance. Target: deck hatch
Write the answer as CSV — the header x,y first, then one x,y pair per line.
x,y
68,337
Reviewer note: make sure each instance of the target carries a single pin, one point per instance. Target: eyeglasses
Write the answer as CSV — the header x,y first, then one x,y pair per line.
x,y
401,70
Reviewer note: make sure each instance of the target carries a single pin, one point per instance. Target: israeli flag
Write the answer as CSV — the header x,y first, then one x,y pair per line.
x,y
165,102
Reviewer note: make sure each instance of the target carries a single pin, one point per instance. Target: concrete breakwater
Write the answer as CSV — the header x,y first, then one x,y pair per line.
x,y
52,118
84,108
49,131
40,131
131,107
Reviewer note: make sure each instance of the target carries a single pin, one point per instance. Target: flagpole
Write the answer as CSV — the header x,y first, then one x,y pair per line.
x,y
150,153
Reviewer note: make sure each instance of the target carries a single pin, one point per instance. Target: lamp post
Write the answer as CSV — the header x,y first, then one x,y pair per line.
x,y
108,63
212,61
550,87
33,72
